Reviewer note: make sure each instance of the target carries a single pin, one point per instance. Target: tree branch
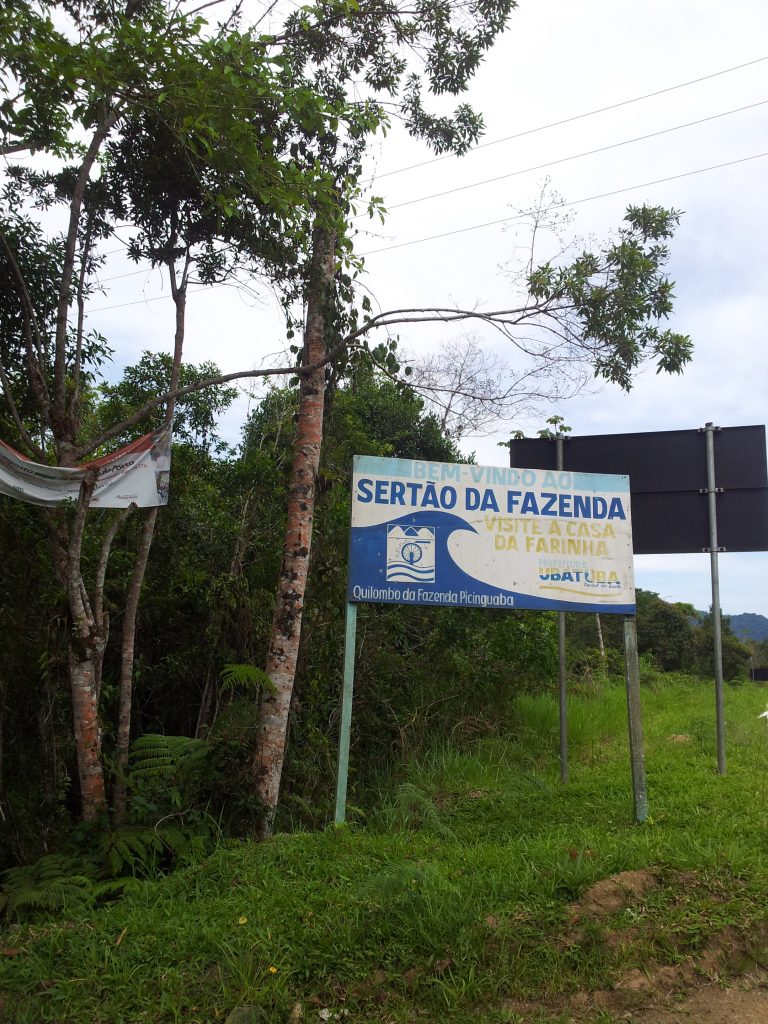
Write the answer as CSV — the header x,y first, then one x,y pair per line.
x,y
62,429
78,597
211,382
23,432
179,293
32,337
442,314
101,565
80,314
393,317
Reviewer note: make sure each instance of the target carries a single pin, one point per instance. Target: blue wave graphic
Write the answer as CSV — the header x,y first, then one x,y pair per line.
x,y
409,573
368,570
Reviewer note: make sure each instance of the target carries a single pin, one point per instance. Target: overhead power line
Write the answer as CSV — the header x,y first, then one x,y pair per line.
x,y
522,170
128,273
573,156
472,227
555,124
575,202
574,117
156,298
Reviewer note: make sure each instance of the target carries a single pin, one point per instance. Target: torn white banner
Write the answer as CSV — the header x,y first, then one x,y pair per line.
x,y
135,475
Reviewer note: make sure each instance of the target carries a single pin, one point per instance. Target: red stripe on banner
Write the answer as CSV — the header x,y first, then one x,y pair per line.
x,y
141,444
17,454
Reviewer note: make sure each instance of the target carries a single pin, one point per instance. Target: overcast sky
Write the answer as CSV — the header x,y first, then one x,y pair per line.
x,y
561,60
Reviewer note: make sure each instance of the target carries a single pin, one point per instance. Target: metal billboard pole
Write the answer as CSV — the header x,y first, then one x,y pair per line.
x,y
712,491
562,675
635,720
346,713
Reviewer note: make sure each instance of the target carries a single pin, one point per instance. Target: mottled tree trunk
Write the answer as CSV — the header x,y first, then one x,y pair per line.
x,y
87,735
286,625
127,653
86,649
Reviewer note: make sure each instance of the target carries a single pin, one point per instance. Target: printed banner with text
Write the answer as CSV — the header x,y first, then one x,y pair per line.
x,y
490,537
137,474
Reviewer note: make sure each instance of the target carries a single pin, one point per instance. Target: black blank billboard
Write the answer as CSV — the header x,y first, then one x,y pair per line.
x,y
667,472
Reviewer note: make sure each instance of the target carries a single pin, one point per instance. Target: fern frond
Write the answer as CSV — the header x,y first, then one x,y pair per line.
x,y
246,677
411,808
173,837
113,887
157,756
43,886
131,850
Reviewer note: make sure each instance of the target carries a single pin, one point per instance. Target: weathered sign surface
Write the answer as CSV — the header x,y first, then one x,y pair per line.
x,y
490,537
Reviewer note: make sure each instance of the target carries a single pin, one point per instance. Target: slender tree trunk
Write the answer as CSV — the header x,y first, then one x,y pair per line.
x,y
64,427
221,625
86,649
286,624
119,797
206,703
600,634
128,644
100,614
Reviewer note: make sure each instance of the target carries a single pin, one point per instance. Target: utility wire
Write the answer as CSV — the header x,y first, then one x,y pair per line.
x,y
474,227
157,298
575,202
524,170
129,273
570,120
553,124
573,156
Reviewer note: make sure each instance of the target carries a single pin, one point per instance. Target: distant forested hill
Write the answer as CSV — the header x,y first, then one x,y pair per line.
x,y
749,626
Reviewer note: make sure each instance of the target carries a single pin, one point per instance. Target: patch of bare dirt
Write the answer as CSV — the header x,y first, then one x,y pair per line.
x,y
610,895
632,992
662,997
745,1002
724,983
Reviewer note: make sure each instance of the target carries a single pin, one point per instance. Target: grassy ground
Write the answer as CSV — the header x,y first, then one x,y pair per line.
x,y
455,900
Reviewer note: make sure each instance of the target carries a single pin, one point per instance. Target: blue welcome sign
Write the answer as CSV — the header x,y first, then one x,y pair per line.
x,y
490,537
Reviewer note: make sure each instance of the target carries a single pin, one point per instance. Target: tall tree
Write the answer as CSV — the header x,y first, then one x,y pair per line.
x,y
286,626
334,43
161,107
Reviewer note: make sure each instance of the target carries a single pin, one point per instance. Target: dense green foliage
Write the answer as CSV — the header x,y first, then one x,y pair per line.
x,y
613,300
674,637
423,674
208,605
455,899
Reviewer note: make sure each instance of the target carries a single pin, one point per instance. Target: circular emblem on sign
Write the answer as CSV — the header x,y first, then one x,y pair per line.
x,y
412,553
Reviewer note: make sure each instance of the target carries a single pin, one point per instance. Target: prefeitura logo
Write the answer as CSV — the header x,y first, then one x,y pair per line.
x,y
410,554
